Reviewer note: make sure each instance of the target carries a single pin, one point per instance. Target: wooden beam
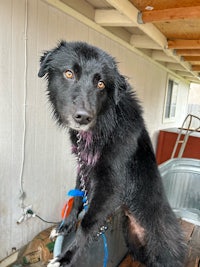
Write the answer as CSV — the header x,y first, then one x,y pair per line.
x,y
188,52
143,41
175,66
194,80
126,8
185,74
184,44
112,17
131,12
161,56
191,58
195,63
169,14
196,67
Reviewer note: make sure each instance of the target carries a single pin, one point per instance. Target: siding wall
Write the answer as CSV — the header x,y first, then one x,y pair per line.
x,y
49,169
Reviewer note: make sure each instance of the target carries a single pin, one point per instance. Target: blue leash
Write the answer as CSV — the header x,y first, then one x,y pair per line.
x,y
105,250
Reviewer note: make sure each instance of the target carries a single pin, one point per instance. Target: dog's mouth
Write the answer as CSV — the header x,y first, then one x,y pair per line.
x,y
79,127
81,121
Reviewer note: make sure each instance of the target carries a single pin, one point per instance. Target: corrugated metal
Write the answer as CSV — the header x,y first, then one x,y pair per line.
x,y
181,178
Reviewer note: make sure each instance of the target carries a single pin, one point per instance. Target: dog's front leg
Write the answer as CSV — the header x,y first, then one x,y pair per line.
x,y
85,235
102,204
69,224
91,225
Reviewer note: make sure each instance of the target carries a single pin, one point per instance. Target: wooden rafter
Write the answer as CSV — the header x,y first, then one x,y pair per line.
x,y
112,17
161,56
196,67
184,44
175,66
143,41
192,58
185,74
188,52
130,13
128,10
170,14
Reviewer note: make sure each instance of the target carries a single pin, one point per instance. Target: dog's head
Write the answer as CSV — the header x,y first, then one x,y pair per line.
x,y
82,82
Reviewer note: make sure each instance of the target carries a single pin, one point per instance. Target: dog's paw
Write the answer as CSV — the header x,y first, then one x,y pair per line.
x,y
54,263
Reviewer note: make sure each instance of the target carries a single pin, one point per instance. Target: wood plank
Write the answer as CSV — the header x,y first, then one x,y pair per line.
x,y
191,58
171,14
195,63
128,262
161,56
184,74
143,41
195,239
112,17
184,44
180,29
194,248
126,8
175,66
188,229
188,52
163,4
131,12
196,67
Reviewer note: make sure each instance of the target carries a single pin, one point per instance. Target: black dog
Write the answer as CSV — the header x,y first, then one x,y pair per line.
x,y
117,166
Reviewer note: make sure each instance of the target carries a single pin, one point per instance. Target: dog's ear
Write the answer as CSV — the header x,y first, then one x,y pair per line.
x,y
44,63
121,86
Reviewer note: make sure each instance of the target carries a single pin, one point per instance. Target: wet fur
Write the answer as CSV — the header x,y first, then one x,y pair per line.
x,y
117,153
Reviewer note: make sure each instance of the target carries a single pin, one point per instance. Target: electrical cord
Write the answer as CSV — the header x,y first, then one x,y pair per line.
x,y
21,175
35,215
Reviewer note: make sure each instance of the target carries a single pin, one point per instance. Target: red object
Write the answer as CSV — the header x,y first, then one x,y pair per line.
x,y
67,208
166,142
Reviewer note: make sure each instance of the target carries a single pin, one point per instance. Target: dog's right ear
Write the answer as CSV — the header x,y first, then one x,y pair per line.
x,y
45,60
44,63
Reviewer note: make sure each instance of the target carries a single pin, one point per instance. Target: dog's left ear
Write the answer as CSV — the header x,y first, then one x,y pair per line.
x,y
44,63
120,87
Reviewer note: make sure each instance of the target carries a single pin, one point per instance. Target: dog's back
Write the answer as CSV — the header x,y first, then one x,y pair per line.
x,y
116,163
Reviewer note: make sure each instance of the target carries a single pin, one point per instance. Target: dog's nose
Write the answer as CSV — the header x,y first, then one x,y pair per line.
x,y
83,116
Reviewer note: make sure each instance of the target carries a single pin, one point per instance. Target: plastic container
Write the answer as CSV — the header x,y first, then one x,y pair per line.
x,y
181,179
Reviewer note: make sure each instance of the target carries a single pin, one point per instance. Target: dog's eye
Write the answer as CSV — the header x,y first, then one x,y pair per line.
x,y
101,85
69,74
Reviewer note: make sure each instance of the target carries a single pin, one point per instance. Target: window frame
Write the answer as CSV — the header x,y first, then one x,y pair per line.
x,y
171,99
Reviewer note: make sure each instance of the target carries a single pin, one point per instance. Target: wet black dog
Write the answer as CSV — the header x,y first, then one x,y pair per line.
x,y
117,166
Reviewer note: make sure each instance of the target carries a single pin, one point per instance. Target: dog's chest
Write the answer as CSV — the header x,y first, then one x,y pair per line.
x,y
85,150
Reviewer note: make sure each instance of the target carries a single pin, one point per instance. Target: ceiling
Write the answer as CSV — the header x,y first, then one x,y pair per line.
x,y
168,32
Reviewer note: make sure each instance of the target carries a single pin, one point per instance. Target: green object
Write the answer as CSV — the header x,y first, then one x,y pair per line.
x,y
50,246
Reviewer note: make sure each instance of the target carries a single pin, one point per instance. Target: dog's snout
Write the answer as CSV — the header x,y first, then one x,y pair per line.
x,y
82,116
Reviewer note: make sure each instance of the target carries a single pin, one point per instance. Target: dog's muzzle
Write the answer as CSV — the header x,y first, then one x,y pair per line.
x,y
83,117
